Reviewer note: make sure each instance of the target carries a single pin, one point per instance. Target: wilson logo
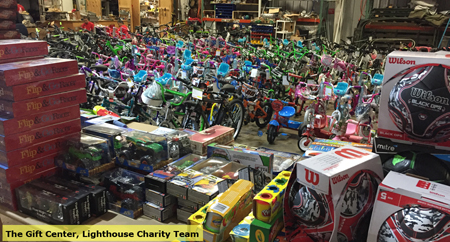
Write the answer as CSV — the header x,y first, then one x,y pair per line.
x,y
350,153
401,61
311,177
428,96
339,178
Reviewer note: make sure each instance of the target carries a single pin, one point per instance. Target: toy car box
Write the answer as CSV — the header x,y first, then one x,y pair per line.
x,y
232,171
108,131
183,215
187,205
160,199
414,102
204,190
282,161
410,209
31,137
87,156
180,184
22,72
160,214
10,109
42,88
23,155
261,231
13,49
158,179
216,134
335,181
210,165
187,161
320,146
268,203
141,150
11,126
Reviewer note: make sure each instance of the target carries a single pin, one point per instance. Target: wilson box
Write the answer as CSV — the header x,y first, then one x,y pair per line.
x,y
13,49
43,88
9,109
35,121
21,156
22,72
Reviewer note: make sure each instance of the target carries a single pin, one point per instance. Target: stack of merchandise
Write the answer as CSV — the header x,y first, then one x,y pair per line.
x,y
39,112
8,16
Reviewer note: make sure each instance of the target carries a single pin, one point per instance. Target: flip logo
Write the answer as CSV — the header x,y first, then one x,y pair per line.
x,y
350,153
311,177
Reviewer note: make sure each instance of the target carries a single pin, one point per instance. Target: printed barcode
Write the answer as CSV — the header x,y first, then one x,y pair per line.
x,y
219,207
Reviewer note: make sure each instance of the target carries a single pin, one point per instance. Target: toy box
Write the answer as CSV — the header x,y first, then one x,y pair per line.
x,y
87,156
216,134
261,162
188,205
126,191
7,25
199,216
181,183
23,155
43,204
268,203
187,161
204,190
7,189
31,137
42,88
261,231
335,181
410,209
282,161
160,199
157,180
159,213
13,49
35,121
9,34
141,150
10,109
22,72
183,215
415,97
20,172
8,13
320,146
8,4
210,165
178,141
108,131
241,232
232,171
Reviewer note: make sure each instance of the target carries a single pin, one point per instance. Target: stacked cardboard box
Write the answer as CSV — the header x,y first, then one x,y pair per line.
x,y
8,16
39,112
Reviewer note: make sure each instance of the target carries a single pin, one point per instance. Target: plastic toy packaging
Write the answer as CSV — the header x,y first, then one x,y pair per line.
x,y
185,161
210,165
87,153
178,141
141,147
229,171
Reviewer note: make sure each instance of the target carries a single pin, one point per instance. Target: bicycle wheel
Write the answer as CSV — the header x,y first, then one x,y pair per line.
x,y
262,122
233,117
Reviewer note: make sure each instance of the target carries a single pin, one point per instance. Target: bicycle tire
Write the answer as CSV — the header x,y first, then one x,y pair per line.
x,y
226,112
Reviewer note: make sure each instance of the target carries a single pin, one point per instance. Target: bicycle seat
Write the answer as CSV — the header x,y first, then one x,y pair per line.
x,y
171,50
187,64
341,89
248,66
140,76
168,96
285,42
114,73
228,88
287,112
223,69
99,68
187,54
180,44
377,79
165,79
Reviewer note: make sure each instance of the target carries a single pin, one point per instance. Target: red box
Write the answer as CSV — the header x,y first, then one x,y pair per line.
x,y
9,34
8,4
43,88
31,137
8,13
7,191
21,156
12,49
17,173
36,70
7,25
9,109
19,125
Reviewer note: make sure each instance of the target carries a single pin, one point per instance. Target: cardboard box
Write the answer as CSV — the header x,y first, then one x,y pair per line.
x,y
181,183
198,217
415,97
335,180
134,214
183,215
260,231
10,14
31,137
242,231
216,134
282,161
268,203
13,49
160,199
21,156
188,205
157,180
28,169
410,209
9,34
204,190
7,25
9,109
107,131
8,4
158,213
22,72
320,146
35,121
42,88
7,190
